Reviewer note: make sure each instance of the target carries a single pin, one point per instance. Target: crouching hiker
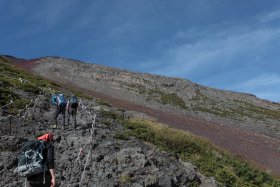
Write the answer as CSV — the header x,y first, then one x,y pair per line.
x,y
72,106
36,162
58,100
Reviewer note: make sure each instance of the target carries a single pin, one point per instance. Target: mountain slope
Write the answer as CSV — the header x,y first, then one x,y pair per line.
x,y
113,161
118,158
238,122
165,93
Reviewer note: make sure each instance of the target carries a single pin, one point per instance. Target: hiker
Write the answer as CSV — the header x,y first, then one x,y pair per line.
x,y
58,100
47,178
72,106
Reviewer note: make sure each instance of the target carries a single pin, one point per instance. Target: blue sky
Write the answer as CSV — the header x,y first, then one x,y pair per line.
x,y
225,44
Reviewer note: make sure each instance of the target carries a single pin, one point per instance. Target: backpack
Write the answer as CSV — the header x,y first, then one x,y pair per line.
x,y
60,99
30,159
54,100
74,102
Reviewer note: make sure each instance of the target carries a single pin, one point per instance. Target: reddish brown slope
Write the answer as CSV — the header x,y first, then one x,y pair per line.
x,y
26,64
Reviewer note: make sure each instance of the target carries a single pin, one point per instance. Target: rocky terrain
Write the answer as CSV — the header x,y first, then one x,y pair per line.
x,y
151,94
111,161
240,123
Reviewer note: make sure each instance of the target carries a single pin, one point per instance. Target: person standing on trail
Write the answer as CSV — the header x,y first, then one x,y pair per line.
x,y
58,100
72,106
47,178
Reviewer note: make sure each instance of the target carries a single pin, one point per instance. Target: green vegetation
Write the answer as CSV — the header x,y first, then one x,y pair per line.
x,y
235,109
121,136
167,98
211,161
199,97
240,111
137,88
249,109
102,102
125,178
82,95
15,82
108,117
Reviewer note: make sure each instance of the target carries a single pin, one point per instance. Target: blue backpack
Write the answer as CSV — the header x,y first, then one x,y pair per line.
x,y
74,102
54,100
60,100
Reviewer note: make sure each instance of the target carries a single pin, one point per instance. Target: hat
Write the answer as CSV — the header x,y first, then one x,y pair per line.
x,y
46,137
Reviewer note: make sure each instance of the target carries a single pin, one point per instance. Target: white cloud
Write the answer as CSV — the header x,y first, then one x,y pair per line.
x,y
263,86
216,52
271,16
225,57
272,95
258,81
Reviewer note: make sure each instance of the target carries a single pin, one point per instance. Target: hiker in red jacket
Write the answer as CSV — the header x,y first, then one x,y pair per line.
x,y
46,179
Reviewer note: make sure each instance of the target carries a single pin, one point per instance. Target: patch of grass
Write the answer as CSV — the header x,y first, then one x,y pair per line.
x,y
137,87
199,97
261,112
27,87
108,117
121,109
125,178
18,104
235,109
14,81
102,102
167,98
173,99
7,95
211,161
13,73
22,80
121,136
82,95
109,114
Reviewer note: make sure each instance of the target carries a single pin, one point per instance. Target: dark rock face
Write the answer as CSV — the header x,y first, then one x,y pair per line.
x,y
101,161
